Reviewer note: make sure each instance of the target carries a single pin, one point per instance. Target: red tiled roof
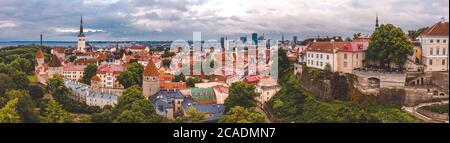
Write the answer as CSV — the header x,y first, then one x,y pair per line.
x,y
438,29
114,69
102,56
39,53
173,85
58,49
72,67
55,62
221,89
96,78
349,47
252,79
150,69
85,61
324,47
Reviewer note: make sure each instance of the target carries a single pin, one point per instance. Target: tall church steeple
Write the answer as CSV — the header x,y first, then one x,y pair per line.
x,y
81,28
81,47
376,22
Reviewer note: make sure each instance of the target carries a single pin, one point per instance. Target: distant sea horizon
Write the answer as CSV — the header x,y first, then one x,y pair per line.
x,y
69,44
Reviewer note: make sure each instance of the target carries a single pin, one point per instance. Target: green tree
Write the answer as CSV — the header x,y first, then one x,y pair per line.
x,y
132,107
127,79
284,65
193,116
131,76
7,69
356,35
241,94
20,79
89,72
6,83
413,34
56,86
25,105
327,68
128,116
166,62
35,91
106,116
8,114
239,114
72,58
54,113
389,44
179,78
23,65
191,81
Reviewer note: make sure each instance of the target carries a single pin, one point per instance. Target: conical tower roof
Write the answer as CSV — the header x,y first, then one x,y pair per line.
x,y
150,69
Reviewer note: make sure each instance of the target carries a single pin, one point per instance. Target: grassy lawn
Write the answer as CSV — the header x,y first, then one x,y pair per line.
x,y
437,108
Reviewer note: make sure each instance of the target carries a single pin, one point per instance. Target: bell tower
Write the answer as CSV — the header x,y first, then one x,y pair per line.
x,y
150,81
81,47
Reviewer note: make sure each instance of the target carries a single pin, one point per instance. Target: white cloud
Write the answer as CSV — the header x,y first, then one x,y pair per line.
x,y
174,19
73,30
8,24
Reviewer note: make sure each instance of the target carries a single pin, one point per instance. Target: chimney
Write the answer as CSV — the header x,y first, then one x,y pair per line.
x,y
442,20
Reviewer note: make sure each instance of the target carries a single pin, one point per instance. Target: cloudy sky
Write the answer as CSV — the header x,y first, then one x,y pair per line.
x,y
177,19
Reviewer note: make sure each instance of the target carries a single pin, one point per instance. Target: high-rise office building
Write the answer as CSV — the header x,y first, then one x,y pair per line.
x,y
295,39
255,38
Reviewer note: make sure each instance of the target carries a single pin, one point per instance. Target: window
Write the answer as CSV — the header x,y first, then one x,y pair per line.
x,y
345,64
431,41
357,56
431,51
328,57
438,41
317,63
321,56
437,51
444,52
431,62
444,41
317,55
443,61
345,56
321,63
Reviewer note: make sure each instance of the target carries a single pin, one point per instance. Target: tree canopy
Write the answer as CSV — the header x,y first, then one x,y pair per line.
x,y
89,72
54,113
239,114
132,107
241,94
131,76
8,114
389,44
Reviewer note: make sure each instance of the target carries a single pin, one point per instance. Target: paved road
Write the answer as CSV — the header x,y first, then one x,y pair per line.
x,y
413,111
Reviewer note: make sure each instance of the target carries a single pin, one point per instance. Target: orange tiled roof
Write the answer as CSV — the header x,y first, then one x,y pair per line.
x,y
58,49
325,47
150,69
39,53
95,78
438,29
55,62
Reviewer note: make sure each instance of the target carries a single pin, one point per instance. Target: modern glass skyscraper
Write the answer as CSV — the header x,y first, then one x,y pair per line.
x,y
255,37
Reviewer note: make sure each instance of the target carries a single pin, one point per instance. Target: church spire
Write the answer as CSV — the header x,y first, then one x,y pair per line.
x,y
376,22
81,27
